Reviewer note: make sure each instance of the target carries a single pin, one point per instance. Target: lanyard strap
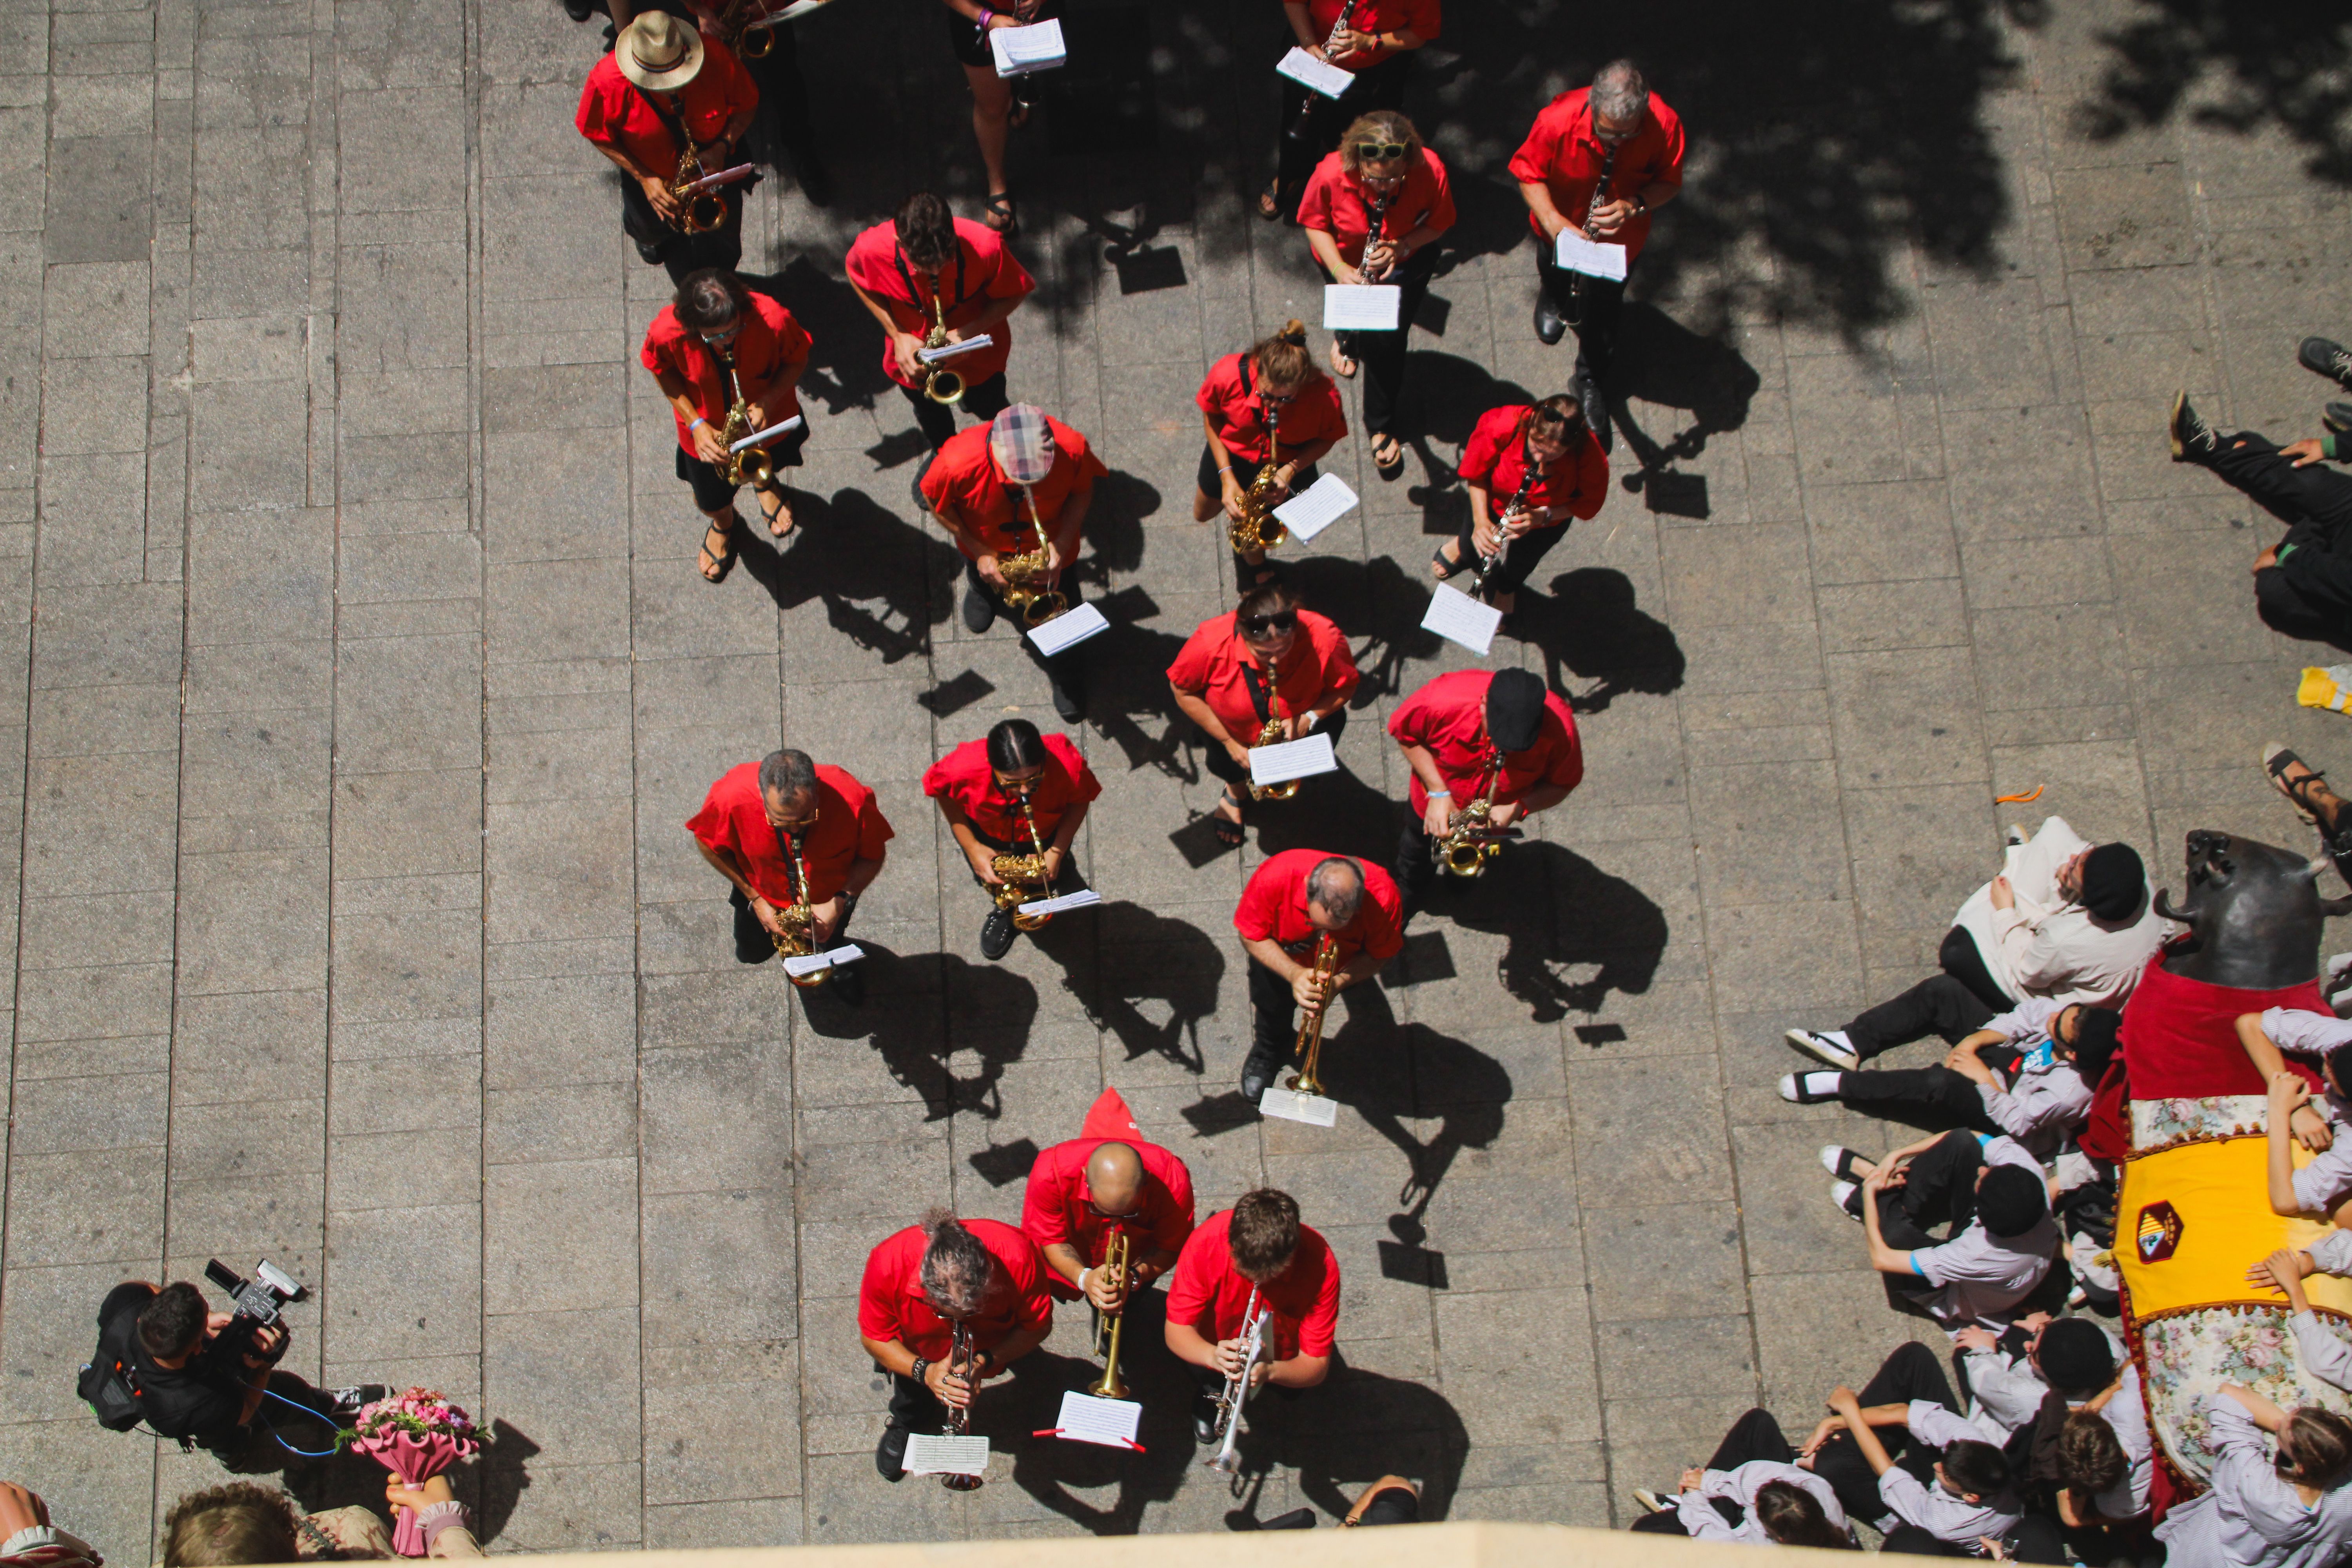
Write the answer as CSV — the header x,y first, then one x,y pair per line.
x,y
672,121
1260,683
789,848
898,257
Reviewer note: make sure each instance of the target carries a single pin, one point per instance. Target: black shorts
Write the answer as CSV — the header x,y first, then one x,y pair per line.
x,y
711,490
1393,1505
1213,485
971,45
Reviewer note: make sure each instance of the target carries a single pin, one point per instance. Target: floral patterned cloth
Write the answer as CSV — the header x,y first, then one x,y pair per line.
x,y
2162,1123
2190,1355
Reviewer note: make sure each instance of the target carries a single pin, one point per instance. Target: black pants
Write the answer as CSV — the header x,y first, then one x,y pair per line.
x,y
1953,1004
306,1417
981,399
1941,1190
1911,1372
1590,305
1220,764
1211,485
1526,555
680,254
915,1407
714,495
1274,1014
1936,1093
752,942
1382,354
2315,495
2036,1538
1754,1437
1302,146
1065,669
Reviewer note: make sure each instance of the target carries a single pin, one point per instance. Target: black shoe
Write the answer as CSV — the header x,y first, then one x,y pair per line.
x,y
649,254
1204,1420
1550,325
2193,440
1258,1072
2337,417
922,502
979,611
351,1401
996,934
1069,697
890,1453
1587,389
2333,360
848,984
579,11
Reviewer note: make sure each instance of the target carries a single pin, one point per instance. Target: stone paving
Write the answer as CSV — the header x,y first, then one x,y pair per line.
x,y
365,680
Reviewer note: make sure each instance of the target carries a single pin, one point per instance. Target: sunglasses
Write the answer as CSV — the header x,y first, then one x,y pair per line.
x,y
1280,621
794,824
1379,152
1278,397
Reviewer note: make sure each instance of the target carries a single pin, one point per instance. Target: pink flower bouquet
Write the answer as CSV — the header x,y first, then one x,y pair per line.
x,y
414,1434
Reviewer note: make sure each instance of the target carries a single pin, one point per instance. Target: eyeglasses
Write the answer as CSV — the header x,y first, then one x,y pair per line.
x,y
1278,397
1379,152
1101,1213
725,336
1022,786
795,823
1279,622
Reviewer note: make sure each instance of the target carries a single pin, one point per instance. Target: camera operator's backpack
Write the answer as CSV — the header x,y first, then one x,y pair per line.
x,y
108,1383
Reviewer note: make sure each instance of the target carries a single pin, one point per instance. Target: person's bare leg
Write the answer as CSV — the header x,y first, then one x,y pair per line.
x,y
2315,795
991,106
1205,506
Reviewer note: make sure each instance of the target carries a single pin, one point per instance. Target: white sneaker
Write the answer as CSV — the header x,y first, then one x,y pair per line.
x,y
1842,1193
1834,1156
1649,1500
1788,1089
1828,1045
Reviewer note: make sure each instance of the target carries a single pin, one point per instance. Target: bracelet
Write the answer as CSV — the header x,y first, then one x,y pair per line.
x,y
1226,469
698,423
986,16
1082,1279
922,1367
1439,794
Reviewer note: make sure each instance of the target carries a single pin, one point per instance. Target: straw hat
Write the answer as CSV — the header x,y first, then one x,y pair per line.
x,y
658,52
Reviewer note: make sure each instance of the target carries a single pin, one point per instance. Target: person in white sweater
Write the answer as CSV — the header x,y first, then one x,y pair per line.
x,y
2291,1511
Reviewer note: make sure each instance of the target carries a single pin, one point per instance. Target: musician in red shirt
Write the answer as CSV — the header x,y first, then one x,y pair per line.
x,y
1269,401
1381,166
663,82
999,104
715,338
920,1284
1000,490
1376,47
1530,468
783,826
1082,1192
1601,158
771,57
1268,660
1294,899
1473,732
1254,1258
981,788
927,264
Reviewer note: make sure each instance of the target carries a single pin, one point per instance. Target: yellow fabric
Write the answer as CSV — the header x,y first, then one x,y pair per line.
x,y
2324,688
2221,1191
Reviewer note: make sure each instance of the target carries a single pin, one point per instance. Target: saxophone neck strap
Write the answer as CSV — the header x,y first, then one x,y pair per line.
x,y
915,295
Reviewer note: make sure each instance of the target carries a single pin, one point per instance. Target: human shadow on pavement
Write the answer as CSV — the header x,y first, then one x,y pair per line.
x,y
1129,702
1589,626
1060,1474
1558,911
1130,956
922,1012
1354,1429
1337,813
1379,605
844,362
855,556
1663,362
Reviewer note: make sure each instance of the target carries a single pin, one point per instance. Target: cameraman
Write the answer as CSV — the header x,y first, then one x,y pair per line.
x,y
197,1381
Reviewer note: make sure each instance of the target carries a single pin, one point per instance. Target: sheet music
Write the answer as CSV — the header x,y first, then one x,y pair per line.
x,y
770,433
1360,307
1109,1422
949,351
796,10
1458,617
1317,75
1594,258
941,1456
722,177
1316,508
1083,899
1020,50
809,964
1291,1106
1288,760
1068,629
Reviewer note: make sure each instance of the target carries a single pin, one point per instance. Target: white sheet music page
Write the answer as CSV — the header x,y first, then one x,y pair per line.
x,y
1288,760
1594,258
1362,307
770,434
1458,617
1083,899
941,1456
950,350
1315,75
1109,1422
1020,50
1068,629
796,10
1291,1106
1316,508
809,964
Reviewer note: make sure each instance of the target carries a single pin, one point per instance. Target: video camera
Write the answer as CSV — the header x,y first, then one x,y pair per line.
x,y
254,1303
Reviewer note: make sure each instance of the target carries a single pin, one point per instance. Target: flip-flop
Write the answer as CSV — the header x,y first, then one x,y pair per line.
x,y
1267,207
2276,760
1395,466
1228,829
1446,570
1343,363
773,531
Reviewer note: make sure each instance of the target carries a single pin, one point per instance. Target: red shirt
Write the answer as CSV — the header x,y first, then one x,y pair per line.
x,y
1562,154
1205,1291
1054,1207
1236,405
964,476
850,827
1214,660
767,340
964,777
982,272
1274,906
1448,717
1496,457
891,1304
1335,204
1374,16
615,113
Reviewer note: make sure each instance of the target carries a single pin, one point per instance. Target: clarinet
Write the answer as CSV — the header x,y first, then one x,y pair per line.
x,y
1377,210
1487,564
1600,194
1307,110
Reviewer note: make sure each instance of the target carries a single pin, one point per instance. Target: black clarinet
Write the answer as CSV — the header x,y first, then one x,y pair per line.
x,y
1599,194
1488,563
1297,129
1377,210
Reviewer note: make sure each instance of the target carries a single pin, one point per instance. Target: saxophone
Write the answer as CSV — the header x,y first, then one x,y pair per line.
x,y
800,921
1270,735
1017,873
1516,507
700,212
941,384
1257,529
751,466
1470,843
1028,587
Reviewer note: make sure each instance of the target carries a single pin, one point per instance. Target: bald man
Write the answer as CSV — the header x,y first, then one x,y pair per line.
x,y
1083,1191
1293,901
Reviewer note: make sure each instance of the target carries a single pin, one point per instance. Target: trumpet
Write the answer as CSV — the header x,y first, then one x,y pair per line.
x,y
1111,1386
700,212
1308,1047
1017,873
1227,1459
751,465
798,917
1472,841
1028,586
941,384
1266,736
964,1361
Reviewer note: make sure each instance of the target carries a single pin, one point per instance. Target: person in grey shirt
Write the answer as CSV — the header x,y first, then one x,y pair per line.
x,y
2293,1510
1937,1476
1993,1195
2323,1352
2321,1123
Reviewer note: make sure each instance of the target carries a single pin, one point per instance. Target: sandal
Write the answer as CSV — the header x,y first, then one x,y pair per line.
x,y
1228,828
1445,570
716,567
1342,365
2276,760
1267,207
1389,466
1255,573
782,509
1000,207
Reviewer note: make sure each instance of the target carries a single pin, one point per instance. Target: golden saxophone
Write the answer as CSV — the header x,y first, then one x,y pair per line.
x,y
1028,585
1471,842
798,918
754,39
941,384
1308,1047
964,1361
699,212
1019,874
1111,1386
1257,528
751,466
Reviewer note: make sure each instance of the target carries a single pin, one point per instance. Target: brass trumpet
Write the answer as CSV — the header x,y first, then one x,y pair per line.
x,y
964,1361
1308,1048
1111,1386
942,385
798,917
1018,873
751,466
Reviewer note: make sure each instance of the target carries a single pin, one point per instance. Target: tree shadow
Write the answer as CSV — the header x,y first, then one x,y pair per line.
x,y
1057,1473
1556,912
923,1011
2286,63
1132,956
1589,627
850,553
1357,1427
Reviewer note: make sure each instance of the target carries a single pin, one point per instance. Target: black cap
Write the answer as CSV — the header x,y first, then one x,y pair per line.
x,y
2011,1200
2114,881
2075,1356
1514,710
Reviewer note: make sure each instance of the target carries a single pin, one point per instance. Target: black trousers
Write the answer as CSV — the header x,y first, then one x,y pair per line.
x,y
1382,354
1933,1093
2036,1538
1416,866
1953,1004
981,399
2251,465
1526,555
1941,1190
1754,1437
1220,764
680,254
1302,145
1274,1014
915,1407
1066,669
1591,306
1913,1371
752,942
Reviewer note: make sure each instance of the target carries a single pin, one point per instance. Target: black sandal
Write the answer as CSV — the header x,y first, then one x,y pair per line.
x,y
2275,762
769,517
1269,205
724,564
1228,829
999,205
1388,470
1447,570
